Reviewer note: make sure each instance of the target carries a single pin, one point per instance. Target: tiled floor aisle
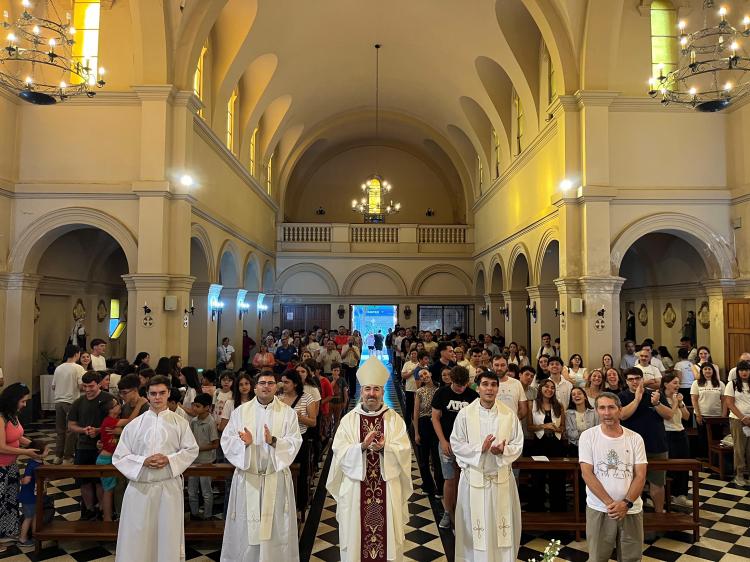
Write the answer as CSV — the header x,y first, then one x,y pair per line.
x,y
725,532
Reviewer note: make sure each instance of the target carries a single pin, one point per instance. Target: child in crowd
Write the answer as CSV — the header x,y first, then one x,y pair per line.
x,y
207,437
108,435
208,382
340,393
222,395
27,495
173,403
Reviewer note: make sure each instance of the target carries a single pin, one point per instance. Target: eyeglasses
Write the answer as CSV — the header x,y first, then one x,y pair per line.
x,y
265,383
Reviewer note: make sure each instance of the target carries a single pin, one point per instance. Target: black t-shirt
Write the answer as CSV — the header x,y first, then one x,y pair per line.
x,y
86,413
450,403
646,421
436,368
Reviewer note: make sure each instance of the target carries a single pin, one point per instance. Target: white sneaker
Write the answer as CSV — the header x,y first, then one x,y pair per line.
x,y
682,501
445,521
740,481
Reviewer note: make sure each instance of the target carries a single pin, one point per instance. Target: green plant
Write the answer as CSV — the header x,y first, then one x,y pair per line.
x,y
552,550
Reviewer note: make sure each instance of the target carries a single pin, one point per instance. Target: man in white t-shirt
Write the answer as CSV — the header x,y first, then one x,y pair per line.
x,y
510,391
651,373
66,386
613,465
745,356
563,388
98,361
684,368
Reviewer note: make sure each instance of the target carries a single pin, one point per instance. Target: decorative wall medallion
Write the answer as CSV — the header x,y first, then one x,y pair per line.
x,y
600,324
704,316
37,310
148,321
79,311
643,315
185,321
101,311
669,315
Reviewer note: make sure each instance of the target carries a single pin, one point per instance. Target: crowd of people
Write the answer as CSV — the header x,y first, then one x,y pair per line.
x,y
554,401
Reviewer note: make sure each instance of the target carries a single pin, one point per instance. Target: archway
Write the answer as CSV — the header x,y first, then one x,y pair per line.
x,y
663,288
81,278
545,294
227,323
198,338
517,298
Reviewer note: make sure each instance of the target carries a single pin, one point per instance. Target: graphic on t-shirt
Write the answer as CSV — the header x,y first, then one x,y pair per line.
x,y
456,405
613,467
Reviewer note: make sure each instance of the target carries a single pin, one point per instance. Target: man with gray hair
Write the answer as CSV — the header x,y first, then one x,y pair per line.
x,y
613,464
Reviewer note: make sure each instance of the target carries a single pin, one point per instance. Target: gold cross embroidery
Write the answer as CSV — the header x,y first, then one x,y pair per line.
x,y
478,529
504,527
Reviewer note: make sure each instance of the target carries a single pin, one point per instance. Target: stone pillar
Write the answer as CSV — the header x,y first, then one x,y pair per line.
x,y
545,297
517,324
147,331
718,291
250,318
198,327
571,324
212,330
19,293
601,332
178,334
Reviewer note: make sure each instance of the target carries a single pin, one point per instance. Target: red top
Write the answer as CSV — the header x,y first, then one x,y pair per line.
x,y
109,441
326,390
13,434
341,340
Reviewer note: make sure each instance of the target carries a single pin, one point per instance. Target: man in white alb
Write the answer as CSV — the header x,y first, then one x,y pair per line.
x,y
487,437
153,452
261,440
370,477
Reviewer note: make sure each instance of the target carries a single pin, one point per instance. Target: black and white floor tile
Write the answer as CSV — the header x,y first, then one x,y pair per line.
x,y
725,526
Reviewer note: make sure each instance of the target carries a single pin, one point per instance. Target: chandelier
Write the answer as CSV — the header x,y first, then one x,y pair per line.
x,y
712,70
375,189
37,62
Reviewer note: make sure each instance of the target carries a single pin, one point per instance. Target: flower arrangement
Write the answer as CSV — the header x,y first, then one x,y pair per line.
x,y
552,550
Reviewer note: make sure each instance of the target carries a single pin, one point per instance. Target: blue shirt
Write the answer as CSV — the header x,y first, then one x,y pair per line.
x,y
26,495
285,354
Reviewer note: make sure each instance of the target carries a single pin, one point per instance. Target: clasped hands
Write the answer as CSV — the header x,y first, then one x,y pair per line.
x,y
247,437
617,510
374,441
156,461
494,449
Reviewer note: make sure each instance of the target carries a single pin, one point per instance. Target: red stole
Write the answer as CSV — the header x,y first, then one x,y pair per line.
x,y
372,511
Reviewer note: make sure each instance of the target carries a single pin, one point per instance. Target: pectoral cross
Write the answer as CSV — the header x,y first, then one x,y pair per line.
x,y
504,527
478,529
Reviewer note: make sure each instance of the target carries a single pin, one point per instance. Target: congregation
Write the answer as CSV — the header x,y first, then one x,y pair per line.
x,y
101,407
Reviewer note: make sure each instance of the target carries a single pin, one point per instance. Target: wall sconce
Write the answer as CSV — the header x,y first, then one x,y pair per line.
x,y
557,311
216,307
484,311
261,309
430,212
601,312
320,211
341,311
531,309
505,311
191,310
243,308
146,309
407,312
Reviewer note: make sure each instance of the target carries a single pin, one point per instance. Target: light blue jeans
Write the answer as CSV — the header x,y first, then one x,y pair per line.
x,y
200,484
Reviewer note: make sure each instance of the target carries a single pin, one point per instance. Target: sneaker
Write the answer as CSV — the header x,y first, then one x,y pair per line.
x,y
57,460
445,521
27,543
438,496
682,501
740,481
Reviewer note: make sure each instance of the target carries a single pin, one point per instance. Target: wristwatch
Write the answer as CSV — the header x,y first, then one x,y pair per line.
x,y
628,503
273,441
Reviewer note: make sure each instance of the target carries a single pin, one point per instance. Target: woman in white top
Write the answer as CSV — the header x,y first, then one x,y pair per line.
x,y
575,373
579,417
513,354
594,386
460,357
546,420
192,384
704,356
410,383
737,396
677,440
706,396
243,391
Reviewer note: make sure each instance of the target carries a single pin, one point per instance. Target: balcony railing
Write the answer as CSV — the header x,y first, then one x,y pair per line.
x,y
400,238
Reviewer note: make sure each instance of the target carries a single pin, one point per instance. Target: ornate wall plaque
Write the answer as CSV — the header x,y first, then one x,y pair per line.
x,y
704,316
643,315
101,311
669,315
79,311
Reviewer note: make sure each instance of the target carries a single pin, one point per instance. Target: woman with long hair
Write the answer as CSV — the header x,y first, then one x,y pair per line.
x,y
424,435
242,391
737,396
12,400
607,362
513,354
666,359
704,356
175,366
542,368
263,358
575,373
613,381
293,395
523,357
143,357
707,398
546,421
190,381
579,417
163,367
85,361
594,386
677,439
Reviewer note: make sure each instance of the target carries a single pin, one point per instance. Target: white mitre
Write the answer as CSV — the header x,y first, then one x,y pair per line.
x,y
373,373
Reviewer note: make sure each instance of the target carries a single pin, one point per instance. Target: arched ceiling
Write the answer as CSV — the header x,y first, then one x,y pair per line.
x,y
305,72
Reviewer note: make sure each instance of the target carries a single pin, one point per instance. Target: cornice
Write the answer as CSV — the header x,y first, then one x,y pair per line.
x,y
455,258
22,281
146,281
155,92
645,104
229,228
541,221
595,98
105,97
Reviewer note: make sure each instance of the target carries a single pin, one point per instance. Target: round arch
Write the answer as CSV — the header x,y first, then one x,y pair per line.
x,y
714,249
389,272
548,238
480,279
229,248
519,251
36,238
252,264
497,269
315,269
416,286
268,279
204,241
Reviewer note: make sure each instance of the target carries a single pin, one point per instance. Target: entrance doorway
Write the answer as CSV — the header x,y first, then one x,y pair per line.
x,y
373,320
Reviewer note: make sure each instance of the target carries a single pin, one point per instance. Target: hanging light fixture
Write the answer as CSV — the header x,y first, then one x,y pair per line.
x,y
37,62
375,189
712,71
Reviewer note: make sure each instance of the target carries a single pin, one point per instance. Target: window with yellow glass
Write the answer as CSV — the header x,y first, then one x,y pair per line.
x,y
85,49
664,43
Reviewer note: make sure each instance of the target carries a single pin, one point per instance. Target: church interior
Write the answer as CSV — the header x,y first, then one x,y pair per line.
x,y
517,168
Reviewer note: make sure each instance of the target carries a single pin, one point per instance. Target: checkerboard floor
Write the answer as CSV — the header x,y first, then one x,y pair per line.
x,y
725,529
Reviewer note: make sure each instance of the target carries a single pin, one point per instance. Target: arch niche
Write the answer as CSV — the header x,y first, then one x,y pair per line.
x,y
519,328
200,268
